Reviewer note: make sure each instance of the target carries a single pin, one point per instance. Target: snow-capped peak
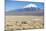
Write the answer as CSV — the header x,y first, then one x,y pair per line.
x,y
30,5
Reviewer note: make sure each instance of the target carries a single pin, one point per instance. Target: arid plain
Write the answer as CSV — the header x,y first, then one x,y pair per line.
x,y
24,22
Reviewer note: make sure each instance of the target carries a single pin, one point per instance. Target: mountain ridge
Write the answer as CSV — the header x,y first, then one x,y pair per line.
x,y
26,11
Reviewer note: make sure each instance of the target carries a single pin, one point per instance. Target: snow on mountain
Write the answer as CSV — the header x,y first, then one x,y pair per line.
x,y
30,5
30,9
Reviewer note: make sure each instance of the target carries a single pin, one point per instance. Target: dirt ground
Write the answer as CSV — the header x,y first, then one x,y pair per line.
x,y
24,22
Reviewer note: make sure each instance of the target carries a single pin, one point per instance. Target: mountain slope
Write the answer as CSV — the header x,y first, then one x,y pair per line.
x,y
27,11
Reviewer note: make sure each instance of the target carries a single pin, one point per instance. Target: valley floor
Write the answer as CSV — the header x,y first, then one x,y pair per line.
x,y
24,22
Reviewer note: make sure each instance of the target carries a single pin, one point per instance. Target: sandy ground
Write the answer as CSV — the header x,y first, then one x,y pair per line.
x,y
24,22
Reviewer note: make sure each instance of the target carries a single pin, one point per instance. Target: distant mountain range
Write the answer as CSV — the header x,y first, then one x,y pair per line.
x,y
27,11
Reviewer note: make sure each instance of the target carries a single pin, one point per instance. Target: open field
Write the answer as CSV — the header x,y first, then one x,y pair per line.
x,y
24,22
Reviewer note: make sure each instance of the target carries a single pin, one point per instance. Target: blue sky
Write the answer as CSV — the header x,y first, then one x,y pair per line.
x,y
11,5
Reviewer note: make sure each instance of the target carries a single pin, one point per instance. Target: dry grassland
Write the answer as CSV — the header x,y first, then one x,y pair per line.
x,y
24,22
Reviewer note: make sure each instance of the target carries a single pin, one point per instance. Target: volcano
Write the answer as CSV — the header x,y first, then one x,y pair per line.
x,y
30,9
